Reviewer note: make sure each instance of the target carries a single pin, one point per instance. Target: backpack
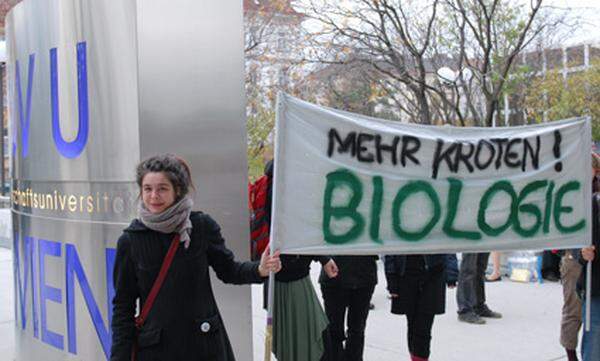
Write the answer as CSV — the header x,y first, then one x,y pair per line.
x,y
259,219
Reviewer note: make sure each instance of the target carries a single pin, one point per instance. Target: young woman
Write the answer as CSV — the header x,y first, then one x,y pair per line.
x,y
299,322
184,322
417,286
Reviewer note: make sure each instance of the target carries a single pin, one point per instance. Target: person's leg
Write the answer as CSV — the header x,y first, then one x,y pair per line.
x,y
419,335
482,262
358,310
466,293
410,320
327,346
590,343
465,290
570,269
481,308
335,302
495,276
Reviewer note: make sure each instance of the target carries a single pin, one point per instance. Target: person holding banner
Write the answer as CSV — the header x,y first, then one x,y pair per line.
x,y
347,297
590,343
417,286
179,318
299,322
570,270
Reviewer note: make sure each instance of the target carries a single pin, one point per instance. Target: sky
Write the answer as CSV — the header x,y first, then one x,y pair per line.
x,y
589,13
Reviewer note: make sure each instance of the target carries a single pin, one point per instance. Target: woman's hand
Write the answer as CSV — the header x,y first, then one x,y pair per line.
x,y
269,263
331,269
588,253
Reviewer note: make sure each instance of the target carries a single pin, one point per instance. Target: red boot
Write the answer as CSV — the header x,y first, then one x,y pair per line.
x,y
417,358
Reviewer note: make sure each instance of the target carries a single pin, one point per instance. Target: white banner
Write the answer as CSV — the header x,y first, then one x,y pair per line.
x,y
350,184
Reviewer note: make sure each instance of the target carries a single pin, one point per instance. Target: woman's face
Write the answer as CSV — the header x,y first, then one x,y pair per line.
x,y
158,192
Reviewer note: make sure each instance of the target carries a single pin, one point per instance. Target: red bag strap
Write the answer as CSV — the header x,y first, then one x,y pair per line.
x,y
141,318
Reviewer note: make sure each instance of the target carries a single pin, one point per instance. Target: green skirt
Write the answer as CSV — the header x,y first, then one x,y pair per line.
x,y
298,322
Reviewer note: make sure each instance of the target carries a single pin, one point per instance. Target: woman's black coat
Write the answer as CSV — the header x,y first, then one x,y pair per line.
x,y
184,323
427,289
354,272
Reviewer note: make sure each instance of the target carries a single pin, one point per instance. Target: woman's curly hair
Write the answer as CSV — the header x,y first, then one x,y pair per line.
x,y
174,168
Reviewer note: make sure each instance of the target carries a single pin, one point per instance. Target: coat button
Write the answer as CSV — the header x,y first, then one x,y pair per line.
x,y
205,327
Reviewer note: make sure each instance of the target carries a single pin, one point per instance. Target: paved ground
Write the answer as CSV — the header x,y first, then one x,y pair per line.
x,y
529,330
7,313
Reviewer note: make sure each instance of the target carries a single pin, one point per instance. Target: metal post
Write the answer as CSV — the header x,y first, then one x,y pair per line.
x,y
3,170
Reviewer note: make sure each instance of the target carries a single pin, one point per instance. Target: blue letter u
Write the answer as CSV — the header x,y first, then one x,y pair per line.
x,y
70,149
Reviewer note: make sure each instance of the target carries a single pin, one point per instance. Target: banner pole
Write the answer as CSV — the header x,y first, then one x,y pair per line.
x,y
271,284
269,329
588,296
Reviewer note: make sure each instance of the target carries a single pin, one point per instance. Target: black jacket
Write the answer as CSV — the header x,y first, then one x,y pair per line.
x,y
184,323
296,267
396,265
354,272
420,282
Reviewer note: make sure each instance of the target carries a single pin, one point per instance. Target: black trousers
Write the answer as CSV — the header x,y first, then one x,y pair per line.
x,y
470,291
419,333
354,303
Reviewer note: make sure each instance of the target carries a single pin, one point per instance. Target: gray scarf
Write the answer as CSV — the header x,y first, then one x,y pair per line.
x,y
176,218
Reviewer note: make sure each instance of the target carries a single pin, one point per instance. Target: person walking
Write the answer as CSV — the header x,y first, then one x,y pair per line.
x,y
184,322
417,287
347,299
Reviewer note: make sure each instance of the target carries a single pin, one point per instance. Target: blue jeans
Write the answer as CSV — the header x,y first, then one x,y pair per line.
x,y
590,344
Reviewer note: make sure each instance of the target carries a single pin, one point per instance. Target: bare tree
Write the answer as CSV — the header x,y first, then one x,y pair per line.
x,y
272,32
272,28
258,25
406,43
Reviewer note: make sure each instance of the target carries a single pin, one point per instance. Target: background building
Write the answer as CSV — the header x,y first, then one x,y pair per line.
x,y
5,6
273,34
